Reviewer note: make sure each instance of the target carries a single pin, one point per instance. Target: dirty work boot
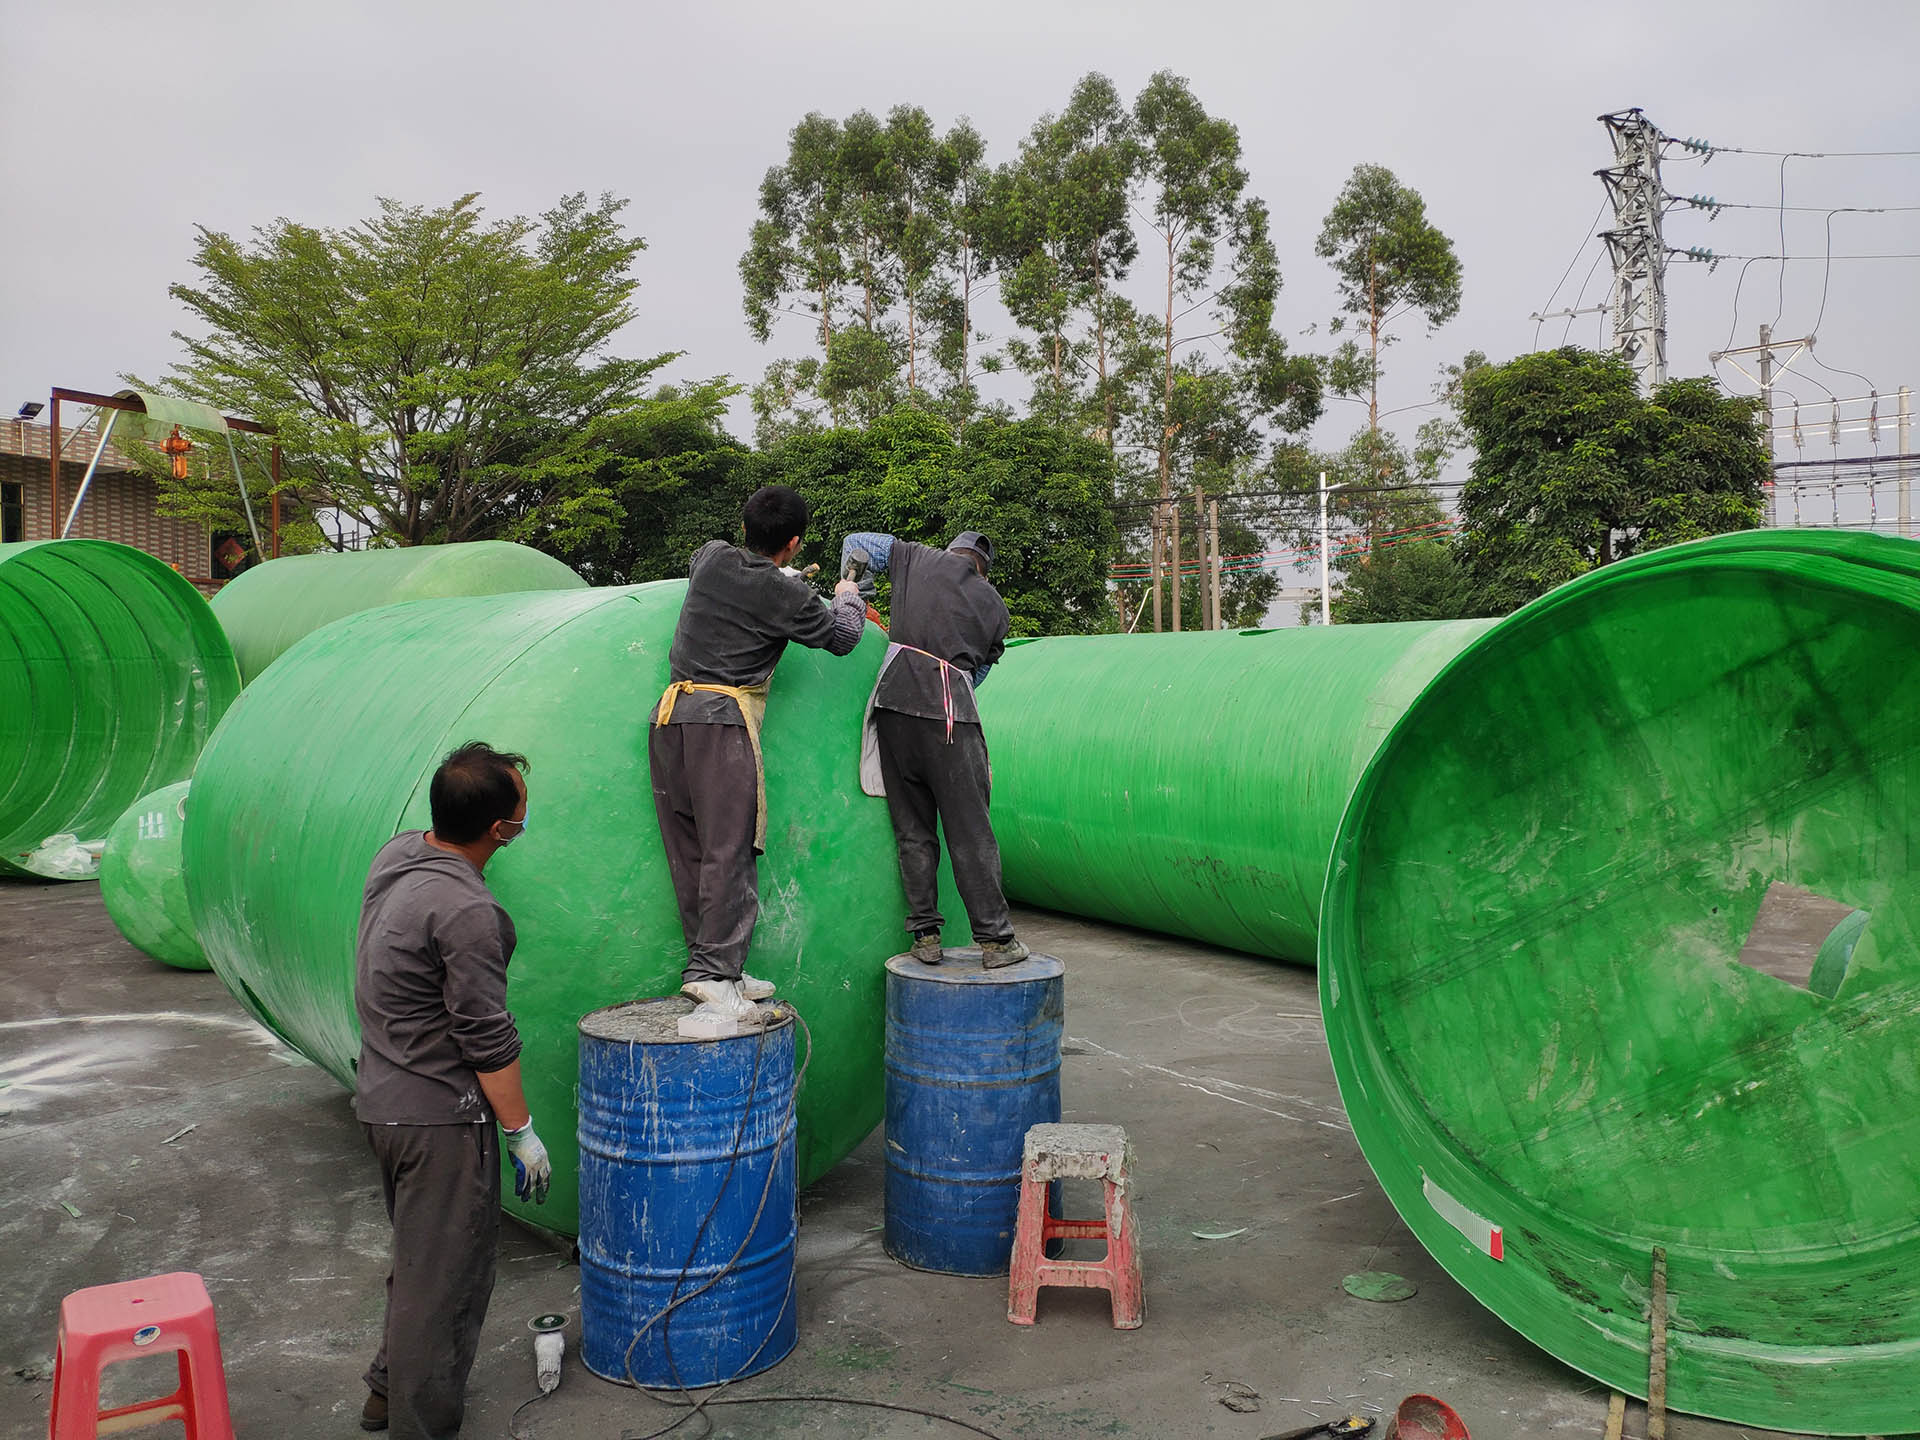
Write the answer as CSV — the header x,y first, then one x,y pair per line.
x,y
926,947
725,997
995,953
756,989
373,1414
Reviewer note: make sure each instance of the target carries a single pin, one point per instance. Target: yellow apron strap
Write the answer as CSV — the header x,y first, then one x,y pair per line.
x,y
752,700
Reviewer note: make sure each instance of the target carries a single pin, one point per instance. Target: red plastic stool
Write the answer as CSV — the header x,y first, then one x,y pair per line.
x,y
110,1323
1076,1152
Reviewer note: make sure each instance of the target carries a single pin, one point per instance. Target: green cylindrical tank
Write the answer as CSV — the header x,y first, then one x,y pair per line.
x,y
113,672
329,754
1533,990
141,884
266,609
1192,783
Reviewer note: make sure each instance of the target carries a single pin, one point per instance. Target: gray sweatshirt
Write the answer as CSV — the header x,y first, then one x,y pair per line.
x,y
741,610
430,988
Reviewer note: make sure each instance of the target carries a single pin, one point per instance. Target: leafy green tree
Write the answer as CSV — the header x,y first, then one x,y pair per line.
x,y
915,238
970,213
1205,414
1414,580
1391,261
796,256
1378,495
1067,240
1040,493
643,488
1575,468
422,367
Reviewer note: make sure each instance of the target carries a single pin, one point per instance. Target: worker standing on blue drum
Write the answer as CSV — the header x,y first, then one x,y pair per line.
x,y
439,1066
923,746
703,747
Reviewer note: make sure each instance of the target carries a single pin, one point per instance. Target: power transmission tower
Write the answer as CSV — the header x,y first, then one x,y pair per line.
x,y
1639,253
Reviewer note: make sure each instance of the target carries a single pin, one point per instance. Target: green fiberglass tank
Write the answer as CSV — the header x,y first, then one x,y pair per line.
x,y
113,672
1546,1038
141,884
266,609
329,753
1192,783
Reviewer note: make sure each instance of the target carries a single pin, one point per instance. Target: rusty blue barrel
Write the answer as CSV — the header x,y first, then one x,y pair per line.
x,y
687,1198
973,1060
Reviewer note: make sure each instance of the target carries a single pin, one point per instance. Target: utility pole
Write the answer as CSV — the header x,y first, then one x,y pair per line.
x,y
1200,544
1174,561
1906,448
1766,407
1213,530
1766,350
1636,246
1153,564
1326,599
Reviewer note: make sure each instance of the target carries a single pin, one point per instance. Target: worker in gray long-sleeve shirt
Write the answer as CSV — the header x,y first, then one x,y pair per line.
x,y
439,1065
703,748
948,628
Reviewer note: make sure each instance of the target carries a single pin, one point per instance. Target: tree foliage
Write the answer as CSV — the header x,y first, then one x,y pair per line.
x,y
1391,261
646,486
1039,494
423,366
1575,468
1412,580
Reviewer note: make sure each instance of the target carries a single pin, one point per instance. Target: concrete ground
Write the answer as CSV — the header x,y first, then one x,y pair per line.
x,y
1214,1062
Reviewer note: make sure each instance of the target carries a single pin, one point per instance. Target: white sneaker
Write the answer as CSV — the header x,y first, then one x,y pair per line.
x,y
756,989
724,998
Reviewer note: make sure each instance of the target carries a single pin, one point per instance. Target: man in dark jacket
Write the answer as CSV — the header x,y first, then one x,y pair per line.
x,y
709,785
948,627
439,1066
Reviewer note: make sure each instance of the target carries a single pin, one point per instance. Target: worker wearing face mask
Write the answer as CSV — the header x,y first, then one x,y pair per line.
x,y
439,1067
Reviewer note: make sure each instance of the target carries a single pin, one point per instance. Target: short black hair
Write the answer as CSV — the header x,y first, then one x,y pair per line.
x,y
473,788
774,515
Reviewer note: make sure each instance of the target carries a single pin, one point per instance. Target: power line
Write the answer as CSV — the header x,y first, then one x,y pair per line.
x,y
1707,150
1708,202
1578,252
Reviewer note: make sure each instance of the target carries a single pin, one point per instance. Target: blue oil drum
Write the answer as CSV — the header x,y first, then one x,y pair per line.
x,y
686,1188
973,1060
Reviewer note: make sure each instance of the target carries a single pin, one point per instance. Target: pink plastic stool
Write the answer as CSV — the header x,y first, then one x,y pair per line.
x,y
1069,1152
110,1323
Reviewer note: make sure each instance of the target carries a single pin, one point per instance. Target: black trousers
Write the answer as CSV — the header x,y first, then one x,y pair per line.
x,y
929,780
442,1184
706,794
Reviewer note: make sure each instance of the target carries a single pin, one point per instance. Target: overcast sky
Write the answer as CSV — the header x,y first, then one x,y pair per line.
x,y
125,125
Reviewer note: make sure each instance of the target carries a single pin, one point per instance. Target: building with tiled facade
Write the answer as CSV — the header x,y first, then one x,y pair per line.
x,y
120,504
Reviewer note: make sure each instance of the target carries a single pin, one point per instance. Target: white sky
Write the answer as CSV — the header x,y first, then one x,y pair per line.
x,y
125,124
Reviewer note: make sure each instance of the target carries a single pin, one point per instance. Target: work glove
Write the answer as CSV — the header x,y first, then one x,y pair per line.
x,y
532,1170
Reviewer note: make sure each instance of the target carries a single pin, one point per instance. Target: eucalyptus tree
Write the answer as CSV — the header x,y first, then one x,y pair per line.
x,y
1391,262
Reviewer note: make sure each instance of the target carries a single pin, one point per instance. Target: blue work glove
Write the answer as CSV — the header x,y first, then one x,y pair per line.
x,y
532,1170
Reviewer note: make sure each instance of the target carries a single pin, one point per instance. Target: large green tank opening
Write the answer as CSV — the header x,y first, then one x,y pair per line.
x,y
1531,974
113,672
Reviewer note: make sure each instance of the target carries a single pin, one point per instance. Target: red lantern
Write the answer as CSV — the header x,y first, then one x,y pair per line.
x,y
177,445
